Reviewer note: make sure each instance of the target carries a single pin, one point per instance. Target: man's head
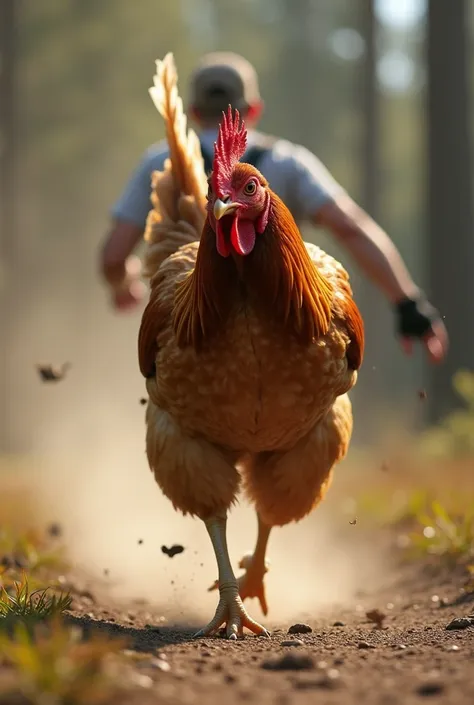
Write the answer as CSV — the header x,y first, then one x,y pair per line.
x,y
222,79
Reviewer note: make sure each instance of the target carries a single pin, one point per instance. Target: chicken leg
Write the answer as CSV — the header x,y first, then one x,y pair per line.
x,y
230,610
255,564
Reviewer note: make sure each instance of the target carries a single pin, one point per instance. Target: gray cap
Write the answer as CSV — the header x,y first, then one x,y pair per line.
x,y
220,79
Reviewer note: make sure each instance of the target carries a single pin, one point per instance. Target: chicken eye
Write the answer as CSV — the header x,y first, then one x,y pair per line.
x,y
250,188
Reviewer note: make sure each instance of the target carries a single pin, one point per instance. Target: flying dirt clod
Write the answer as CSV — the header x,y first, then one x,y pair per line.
x,y
52,373
174,550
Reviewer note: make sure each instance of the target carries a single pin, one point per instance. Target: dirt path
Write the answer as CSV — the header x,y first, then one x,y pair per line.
x,y
411,659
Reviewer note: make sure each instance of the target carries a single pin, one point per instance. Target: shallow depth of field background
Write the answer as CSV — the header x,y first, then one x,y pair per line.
x,y
346,78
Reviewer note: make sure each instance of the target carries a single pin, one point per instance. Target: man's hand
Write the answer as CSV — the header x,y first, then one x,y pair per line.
x,y
130,292
129,297
417,319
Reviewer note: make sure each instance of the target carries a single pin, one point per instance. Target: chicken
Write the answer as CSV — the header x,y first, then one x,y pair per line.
x,y
249,345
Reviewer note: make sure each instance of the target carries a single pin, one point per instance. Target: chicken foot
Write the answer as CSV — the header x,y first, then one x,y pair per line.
x,y
255,564
230,610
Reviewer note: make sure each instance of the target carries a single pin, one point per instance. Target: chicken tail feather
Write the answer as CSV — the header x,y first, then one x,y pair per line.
x,y
179,191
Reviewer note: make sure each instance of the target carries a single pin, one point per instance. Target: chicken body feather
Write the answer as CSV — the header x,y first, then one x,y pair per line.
x,y
251,389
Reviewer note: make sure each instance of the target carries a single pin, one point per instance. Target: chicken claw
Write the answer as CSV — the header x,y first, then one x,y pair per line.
x,y
231,612
251,582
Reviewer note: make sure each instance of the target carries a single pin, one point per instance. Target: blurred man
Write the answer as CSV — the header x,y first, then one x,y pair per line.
x,y
301,181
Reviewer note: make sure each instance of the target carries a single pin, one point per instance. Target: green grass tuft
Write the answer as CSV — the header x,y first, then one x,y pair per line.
x,y
442,533
454,436
53,665
31,606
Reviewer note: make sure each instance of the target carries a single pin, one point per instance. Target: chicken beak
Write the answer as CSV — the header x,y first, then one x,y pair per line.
x,y
221,209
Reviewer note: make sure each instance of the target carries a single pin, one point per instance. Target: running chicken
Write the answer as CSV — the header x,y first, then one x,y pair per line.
x,y
249,344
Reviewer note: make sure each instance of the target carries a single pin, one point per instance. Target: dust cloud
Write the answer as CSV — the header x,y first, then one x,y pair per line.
x,y
90,472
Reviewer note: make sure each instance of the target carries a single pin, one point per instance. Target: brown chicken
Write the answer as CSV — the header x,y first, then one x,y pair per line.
x,y
249,344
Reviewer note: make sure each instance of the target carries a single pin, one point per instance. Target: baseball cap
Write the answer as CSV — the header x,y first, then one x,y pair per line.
x,y
220,79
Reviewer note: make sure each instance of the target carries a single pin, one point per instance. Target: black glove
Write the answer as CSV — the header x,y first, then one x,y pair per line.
x,y
415,317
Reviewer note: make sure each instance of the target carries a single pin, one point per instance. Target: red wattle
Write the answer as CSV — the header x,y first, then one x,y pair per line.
x,y
223,247
242,236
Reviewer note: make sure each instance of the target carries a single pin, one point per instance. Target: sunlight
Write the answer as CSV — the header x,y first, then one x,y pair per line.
x,y
400,14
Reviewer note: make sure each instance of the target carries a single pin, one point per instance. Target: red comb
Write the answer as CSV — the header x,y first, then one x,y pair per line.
x,y
229,148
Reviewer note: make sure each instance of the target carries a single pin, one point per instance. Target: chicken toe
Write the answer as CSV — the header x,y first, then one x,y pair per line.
x,y
232,613
251,583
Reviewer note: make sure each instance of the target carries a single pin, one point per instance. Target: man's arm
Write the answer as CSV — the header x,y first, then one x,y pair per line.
x,y
120,243
369,246
120,270
372,249
328,205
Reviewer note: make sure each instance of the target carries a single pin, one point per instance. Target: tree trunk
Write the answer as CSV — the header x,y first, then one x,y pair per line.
x,y
450,219
373,385
8,195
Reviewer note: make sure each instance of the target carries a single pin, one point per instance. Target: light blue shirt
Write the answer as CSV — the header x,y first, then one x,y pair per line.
x,y
293,172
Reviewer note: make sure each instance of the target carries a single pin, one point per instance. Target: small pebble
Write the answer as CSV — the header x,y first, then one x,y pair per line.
x,y
161,665
289,662
460,623
339,624
292,642
300,629
333,673
329,680
452,647
365,645
430,688
141,680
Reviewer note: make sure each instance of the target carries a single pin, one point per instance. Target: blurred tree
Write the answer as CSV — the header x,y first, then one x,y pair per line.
x,y
8,194
450,218
378,322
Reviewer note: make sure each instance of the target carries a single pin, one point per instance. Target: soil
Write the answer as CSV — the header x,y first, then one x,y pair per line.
x,y
402,654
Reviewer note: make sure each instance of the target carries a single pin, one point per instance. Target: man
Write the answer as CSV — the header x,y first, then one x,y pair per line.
x,y
297,176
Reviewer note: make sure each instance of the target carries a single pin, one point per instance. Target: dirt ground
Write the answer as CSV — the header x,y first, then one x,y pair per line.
x,y
345,659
